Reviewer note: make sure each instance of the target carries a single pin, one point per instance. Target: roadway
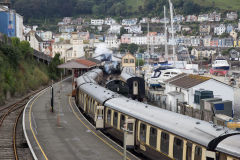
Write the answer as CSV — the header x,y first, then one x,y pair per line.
x,y
64,134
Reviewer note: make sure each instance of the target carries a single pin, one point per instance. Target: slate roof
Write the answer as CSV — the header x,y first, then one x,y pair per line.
x,y
189,81
175,77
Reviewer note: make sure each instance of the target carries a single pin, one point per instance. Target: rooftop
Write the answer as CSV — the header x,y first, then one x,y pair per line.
x,y
78,63
188,81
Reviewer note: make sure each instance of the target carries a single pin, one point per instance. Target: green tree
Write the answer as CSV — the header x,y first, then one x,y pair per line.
x,y
132,48
123,47
53,70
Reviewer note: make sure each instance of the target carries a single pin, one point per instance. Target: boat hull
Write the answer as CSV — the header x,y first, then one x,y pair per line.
x,y
221,68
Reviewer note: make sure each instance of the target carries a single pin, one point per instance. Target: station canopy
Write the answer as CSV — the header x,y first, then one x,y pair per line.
x,y
78,64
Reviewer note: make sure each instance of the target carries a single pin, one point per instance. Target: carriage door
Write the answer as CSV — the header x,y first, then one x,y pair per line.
x,y
210,155
130,132
135,88
99,117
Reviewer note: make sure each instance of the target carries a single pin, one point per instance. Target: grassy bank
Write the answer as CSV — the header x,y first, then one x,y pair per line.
x,y
20,72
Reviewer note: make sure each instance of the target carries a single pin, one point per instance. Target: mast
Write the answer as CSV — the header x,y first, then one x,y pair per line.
x,y
173,38
148,41
166,41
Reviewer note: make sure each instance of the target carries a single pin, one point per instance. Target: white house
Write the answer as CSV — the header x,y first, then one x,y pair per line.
x,y
182,89
109,21
112,41
97,22
129,22
203,18
219,30
114,29
34,40
139,40
61,48
136,29
46,36
239,24
232,16
144,20
77,45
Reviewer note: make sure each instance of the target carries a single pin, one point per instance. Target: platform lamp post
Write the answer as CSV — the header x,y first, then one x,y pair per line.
x,y
124,141
52,102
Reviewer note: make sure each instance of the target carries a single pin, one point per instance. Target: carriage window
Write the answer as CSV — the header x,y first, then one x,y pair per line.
x,y
189,151
122,121
153,137
164,142
143,129
109,116
135,83
130,126
178,149
115,119
198,153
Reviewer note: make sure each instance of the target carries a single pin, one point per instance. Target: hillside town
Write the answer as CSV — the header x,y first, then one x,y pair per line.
x,y
201,35
120,87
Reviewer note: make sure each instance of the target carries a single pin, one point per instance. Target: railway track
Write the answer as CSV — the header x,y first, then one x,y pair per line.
x,y
12,142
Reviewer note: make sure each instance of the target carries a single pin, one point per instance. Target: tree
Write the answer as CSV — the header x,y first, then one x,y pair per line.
x,y
53,70
132,48
123,47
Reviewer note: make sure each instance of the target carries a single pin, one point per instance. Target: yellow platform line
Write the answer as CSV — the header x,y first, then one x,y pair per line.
x,y
111,146
30,120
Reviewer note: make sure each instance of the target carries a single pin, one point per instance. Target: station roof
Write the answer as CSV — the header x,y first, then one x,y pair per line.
x,y
78,64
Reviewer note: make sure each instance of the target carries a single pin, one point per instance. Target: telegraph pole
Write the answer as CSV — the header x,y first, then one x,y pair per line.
x,y
166,45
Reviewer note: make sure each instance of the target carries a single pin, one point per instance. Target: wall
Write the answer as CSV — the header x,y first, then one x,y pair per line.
x,y
19,27
219,89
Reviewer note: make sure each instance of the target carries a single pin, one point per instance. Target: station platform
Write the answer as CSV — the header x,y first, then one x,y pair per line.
x,y
64,134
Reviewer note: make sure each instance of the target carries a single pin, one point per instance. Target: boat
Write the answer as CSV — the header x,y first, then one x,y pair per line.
x,y
162,74
220,64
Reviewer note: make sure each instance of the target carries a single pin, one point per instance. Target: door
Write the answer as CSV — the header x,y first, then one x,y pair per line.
x,y
135,88
99,117
130,132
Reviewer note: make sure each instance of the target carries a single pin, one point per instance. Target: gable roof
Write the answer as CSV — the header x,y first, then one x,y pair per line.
x,y
175,77
189,81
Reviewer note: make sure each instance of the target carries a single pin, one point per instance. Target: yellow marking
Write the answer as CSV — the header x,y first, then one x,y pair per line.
x,y
93,131
30,120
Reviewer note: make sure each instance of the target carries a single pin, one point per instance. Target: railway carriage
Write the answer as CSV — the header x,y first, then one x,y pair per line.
x,y
135,84
157,133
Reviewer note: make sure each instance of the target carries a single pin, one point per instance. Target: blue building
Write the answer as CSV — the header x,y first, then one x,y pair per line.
x,y
8,23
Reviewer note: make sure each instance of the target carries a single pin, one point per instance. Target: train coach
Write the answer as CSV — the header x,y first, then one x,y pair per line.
x,y
157,133
135,84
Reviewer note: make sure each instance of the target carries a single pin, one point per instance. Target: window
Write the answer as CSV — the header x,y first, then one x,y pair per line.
x,y
130,126
198,153
131,60
125,60
115,119
143,129
122,121
153,137
178,149
109,113
164,142
189,151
